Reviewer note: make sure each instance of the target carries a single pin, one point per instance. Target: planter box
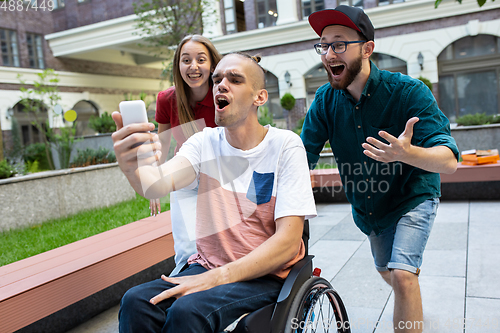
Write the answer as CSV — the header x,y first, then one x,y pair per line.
x,y
477,137
29,200
89,141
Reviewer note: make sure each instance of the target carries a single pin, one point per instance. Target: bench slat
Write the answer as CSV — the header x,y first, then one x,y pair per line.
x,y
54,288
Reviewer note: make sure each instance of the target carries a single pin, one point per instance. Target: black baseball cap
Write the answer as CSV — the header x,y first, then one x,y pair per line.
x,y
348,16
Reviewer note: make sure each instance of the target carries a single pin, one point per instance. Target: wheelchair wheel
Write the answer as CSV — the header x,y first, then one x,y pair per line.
x,y
317,308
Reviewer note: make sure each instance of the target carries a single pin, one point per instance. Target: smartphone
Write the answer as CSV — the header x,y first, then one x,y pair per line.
x,y
133,112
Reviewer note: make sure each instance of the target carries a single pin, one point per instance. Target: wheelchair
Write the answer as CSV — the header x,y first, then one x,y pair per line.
x,y
306,303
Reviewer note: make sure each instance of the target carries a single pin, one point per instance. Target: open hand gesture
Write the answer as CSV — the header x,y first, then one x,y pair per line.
x,y
397,149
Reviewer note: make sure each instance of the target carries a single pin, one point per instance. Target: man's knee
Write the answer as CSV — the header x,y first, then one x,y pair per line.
x,y
133,299
186,311
403,281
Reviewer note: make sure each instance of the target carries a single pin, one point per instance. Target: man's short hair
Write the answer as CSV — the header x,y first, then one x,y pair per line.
x,y
255,59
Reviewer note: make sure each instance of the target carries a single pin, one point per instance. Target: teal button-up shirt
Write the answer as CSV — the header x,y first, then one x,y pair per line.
x,y
380,193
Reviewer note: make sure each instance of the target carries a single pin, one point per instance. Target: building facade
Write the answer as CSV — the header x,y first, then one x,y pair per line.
x,y
456,47
93,46
91,82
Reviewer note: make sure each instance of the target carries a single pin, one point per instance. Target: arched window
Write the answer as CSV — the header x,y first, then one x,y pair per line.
x,y
84,110
315,78
389,63
469,73
29,132
273,101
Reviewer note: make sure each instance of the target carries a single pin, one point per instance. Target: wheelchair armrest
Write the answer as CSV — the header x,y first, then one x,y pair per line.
x,y
299,274
272,317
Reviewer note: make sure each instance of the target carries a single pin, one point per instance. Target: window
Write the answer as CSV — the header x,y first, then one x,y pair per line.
x,y
235,16
311,6
35,51
58,3
389,63
314,78
353,3
388,2
29,132
469,75
85,111
8,48
267,13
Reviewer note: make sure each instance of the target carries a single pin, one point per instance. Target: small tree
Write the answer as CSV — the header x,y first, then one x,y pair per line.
x,y
34,101
164,23
287,101
426,81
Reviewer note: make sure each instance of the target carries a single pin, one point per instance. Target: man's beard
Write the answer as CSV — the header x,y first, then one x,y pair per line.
x,y
352,71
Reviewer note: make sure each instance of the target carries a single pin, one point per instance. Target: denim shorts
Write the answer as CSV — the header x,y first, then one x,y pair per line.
x,y
402,245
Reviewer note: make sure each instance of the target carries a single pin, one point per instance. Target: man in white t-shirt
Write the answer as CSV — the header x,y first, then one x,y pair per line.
x,y
254,193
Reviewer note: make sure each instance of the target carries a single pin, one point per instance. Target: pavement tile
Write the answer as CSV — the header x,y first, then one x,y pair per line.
x,y
482,315
448,236
453,212
482,267
361,319
332,255
485,211
106,322
360,285
345,230
443,301
316,232
444,263
333,208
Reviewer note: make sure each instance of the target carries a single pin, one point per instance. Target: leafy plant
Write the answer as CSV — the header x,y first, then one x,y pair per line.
x,y
91,156
427,82
6,170
102,124
265,118
63,143
36,153
300,124
477,119
287,101
45,89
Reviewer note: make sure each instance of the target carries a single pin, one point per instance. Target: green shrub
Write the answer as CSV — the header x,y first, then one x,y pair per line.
x,y
36,152
427,82
6,170
102,124
477,119
91,156
300,124
266,118
287,101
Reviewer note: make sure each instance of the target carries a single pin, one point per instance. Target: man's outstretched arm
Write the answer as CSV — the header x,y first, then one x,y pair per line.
x,y
275,252
138,163
440,159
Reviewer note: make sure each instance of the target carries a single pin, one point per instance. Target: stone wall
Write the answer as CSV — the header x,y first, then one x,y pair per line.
x,y
477,137
30,200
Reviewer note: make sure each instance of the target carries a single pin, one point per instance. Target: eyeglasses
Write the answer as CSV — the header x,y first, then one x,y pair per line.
x,y
337,47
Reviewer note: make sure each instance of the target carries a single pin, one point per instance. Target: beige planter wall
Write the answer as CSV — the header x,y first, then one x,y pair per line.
x,y
477,137
30,200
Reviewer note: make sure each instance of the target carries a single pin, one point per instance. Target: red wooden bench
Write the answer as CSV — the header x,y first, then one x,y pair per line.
x,y
36,287
464,173
329,179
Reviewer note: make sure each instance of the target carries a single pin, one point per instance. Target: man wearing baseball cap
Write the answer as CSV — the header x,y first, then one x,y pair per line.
x,y
390,142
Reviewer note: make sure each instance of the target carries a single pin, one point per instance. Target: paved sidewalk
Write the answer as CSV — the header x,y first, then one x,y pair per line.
x,y
459,279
